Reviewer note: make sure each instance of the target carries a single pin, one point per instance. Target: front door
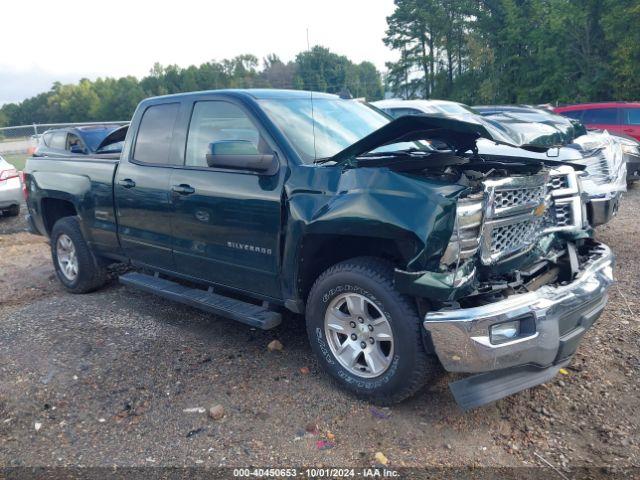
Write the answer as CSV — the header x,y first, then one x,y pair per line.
x,y
141,189
226,223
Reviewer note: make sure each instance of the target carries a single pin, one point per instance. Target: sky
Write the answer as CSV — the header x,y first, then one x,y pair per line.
x,y
65,40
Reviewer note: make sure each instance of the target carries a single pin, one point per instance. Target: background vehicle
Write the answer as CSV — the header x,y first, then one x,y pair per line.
x,y
10,189
74,141
601,153
615,117
400,256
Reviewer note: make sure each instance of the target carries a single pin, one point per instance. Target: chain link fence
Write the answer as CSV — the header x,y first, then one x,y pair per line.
x,y
23,139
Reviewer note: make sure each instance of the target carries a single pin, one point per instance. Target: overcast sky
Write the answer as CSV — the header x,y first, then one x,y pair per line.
x,y
65,40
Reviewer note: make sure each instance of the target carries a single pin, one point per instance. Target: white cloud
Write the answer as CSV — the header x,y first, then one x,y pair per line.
x,y
74,38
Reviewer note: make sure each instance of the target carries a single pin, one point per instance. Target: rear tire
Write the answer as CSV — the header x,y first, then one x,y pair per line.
x,y
76,266
389,335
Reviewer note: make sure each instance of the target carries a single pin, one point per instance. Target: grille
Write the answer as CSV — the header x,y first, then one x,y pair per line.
x,y
507,239
564,215
598,168
559,182
517,197
511,224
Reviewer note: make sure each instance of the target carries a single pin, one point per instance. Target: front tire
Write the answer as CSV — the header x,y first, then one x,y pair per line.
x,y
76,266
366,334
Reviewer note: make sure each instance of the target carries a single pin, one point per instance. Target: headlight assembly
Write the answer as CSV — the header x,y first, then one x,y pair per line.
x,y
465,239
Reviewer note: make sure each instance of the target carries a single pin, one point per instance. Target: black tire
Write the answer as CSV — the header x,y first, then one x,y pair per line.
x,y
91,273
410,368
12,211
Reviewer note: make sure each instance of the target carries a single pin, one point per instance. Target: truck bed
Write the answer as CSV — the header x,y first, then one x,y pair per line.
x,y
82,183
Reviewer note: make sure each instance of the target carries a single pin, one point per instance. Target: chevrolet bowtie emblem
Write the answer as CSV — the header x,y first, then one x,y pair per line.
x,y
540,209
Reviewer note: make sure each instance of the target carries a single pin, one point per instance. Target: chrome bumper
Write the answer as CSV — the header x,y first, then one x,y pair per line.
x,y
602,210
562,314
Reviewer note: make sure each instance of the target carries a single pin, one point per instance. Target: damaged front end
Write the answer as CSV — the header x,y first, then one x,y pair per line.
x,y
520,280
517,224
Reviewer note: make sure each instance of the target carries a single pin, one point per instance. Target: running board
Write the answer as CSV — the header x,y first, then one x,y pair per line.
x,y
248,313
478,390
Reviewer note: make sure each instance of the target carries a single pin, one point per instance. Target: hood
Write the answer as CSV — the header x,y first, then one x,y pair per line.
x,y
459,133
539,128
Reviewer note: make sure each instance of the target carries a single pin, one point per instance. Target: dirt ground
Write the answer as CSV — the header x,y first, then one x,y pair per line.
x,y
122,378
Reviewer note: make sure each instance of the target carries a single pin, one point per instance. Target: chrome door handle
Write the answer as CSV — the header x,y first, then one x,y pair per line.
x,y
183,189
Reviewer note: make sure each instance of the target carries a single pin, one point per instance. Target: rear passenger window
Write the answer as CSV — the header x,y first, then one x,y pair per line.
x,y
216,122
607,116
153,144
631,116
58,140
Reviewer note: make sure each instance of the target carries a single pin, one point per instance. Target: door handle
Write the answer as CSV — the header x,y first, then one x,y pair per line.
x,y
127,183
183,189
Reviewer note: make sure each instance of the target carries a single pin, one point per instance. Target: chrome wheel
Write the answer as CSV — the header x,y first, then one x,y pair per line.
x,y
359,335
67,258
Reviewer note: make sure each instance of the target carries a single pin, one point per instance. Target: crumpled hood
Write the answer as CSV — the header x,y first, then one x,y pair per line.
x,y
537,129
460,133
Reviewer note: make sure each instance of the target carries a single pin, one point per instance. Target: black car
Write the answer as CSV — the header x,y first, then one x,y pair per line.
x,y
83,140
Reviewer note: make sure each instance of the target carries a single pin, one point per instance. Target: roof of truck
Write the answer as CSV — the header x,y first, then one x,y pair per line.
x,y
258,93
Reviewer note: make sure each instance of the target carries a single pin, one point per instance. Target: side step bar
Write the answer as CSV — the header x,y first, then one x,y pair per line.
x,y
478,390
253,315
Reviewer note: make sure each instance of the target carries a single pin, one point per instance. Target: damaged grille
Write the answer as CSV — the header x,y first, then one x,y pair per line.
x,y
516,216
563,215
598,168
520,210
515,236
559,182
517,197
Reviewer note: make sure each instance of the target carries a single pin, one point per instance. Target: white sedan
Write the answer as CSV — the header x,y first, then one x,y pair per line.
x,y
10,189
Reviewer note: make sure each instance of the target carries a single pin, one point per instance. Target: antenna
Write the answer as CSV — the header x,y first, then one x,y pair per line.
x,y
313,117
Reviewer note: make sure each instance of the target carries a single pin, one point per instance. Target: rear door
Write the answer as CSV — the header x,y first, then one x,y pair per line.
x,y
141,187
603,119
226,223
631,122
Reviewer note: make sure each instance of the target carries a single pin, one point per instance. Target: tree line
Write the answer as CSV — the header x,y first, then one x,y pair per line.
x,y
115,99
515,51
472,51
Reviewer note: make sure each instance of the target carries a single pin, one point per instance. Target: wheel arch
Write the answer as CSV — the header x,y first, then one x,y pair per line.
x,y
318,252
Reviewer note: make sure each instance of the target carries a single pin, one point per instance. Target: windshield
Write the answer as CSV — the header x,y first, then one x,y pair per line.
x,y
94,137
338,124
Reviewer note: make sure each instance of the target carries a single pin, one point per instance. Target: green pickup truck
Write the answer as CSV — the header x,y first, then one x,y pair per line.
x,y
405,250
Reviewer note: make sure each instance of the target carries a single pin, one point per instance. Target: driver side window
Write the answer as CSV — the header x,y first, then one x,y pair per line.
x,y
73,141
222,125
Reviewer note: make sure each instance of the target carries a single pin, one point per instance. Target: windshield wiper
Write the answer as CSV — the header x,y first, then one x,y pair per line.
x,y
395,153
320,161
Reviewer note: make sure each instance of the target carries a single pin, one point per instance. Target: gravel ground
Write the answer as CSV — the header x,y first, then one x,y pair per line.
x,y
123,378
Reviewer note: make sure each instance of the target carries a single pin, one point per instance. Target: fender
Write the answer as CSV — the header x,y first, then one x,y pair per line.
x,y
371,202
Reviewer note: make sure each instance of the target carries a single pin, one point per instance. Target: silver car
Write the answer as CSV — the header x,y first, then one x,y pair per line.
x,y
10,189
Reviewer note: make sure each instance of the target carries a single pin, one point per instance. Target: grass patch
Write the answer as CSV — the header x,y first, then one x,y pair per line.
x,y
17,160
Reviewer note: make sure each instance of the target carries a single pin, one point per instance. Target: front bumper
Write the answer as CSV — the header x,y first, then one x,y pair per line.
x,y
633,170
602,210
561,315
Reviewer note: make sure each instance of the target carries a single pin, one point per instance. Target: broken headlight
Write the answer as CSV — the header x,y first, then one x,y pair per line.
x,y
465,240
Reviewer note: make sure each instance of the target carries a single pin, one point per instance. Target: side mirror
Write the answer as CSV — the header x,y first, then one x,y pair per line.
x,y
241,155
77,149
